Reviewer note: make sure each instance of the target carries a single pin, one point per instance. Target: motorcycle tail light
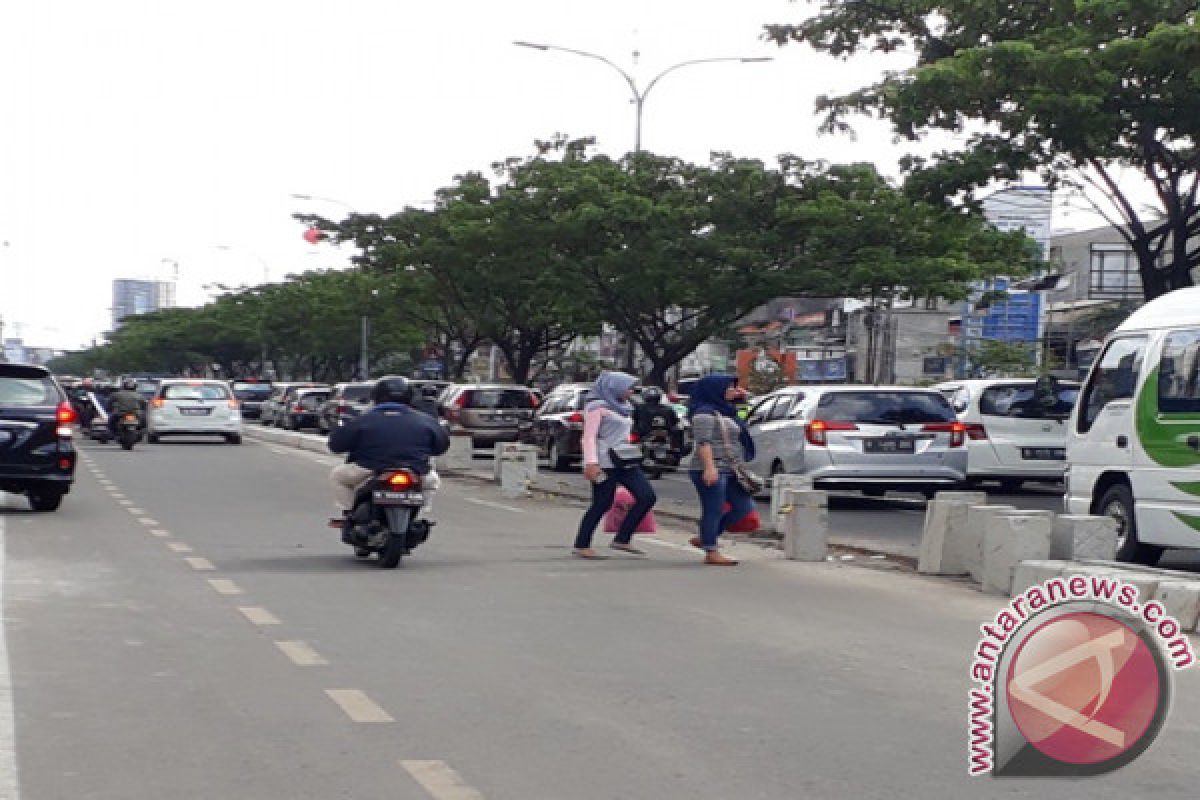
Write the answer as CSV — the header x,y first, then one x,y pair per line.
x,y
402,479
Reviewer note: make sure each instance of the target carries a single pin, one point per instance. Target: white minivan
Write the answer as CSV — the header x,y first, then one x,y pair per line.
x,y
1133,444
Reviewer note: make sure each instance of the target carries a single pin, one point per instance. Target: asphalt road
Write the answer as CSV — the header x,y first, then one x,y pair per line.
x,y
185,627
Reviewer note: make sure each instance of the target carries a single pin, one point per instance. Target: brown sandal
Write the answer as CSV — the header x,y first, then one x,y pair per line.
x,y
715,559
587,553
627,548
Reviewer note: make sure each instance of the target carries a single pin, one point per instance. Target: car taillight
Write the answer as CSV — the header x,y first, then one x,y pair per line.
x,y
297,409
65,464
957,431
157,402
815,431
65,414
402,479
634,438
343,409
234,404
462,400
976,432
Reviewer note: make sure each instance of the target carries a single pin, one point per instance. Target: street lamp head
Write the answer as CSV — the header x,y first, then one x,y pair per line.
x,y
296,196
757,59
531,44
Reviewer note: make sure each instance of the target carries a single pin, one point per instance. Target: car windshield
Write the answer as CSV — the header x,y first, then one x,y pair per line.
x,y
1021,400
885,408
24,392
501,398
206,391
357,394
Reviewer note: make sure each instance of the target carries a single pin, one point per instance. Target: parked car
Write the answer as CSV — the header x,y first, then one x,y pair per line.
x,y
185,407
37,456
1133,440
147,387
347,400
490,413
272,407
868,438
556,428
252,395
303,408
1016,429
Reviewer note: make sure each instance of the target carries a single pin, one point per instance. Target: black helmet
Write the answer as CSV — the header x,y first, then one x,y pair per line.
x,y
652,395
392,390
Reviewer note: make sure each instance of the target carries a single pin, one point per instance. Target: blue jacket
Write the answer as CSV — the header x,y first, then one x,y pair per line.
x,y
390,435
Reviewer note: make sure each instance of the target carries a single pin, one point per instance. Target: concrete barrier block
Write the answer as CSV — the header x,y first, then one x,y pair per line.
x,y
945,518
1009,539
1028,574
779,485
1181,599
805,515
460,456
518,470
967,543
314,444
1084,536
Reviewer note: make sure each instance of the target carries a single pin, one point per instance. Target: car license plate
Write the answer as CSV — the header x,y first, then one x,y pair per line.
x,y
195,412
384,497
1044,453
890,444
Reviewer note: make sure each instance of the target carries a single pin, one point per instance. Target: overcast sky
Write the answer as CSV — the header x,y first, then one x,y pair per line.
x,y
137,135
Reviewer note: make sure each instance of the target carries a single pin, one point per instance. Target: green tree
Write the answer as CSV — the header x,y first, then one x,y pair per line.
x,y
1078,92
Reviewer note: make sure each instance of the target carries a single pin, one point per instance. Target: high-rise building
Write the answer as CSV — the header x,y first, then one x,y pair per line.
x,y
132,297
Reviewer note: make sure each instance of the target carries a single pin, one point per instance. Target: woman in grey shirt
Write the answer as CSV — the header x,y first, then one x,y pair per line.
x,y
719,434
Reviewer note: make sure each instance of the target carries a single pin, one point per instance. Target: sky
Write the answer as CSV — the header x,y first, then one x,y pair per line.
x,y
138,139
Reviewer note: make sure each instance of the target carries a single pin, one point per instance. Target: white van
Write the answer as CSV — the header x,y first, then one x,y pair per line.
x,y
1133,447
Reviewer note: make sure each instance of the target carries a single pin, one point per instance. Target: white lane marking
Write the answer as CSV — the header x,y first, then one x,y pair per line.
x,y
259,616
200,563
687,548
137,512
150,523
500,506
301,654
442,782
224,586
358,707
160,532
179,547
8,733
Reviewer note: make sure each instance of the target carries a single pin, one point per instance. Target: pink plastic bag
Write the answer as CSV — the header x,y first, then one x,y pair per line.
x,y
747,524
622,502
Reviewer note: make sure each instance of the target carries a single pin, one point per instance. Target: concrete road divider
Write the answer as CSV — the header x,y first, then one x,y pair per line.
x,y
968,542
1083,536
779,485
941,552
517,467
1028,574
805,515
1181,600
1010,538
460,456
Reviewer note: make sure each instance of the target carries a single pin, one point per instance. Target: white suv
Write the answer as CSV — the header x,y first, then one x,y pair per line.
x,y
1013,434
194,407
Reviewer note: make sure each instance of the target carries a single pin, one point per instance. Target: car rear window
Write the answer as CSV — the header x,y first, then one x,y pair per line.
x,y
499,398
27,392
251,391
1020,400
206,391
886,408
356,394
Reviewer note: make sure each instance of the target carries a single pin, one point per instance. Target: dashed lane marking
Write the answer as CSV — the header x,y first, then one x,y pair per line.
x,y
225,586
149,523
137,512
259,616
687,548
179,547
301,654
160,532
8,739
358,707
499,506
442,782
200,564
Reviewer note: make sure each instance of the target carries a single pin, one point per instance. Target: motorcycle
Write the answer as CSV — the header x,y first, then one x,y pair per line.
x,y
129,430
660,452
386,517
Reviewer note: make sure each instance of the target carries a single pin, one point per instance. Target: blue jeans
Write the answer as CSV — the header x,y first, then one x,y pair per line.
x,y
714,520
633,479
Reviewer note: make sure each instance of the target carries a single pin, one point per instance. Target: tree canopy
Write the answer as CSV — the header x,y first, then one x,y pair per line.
x,y
1078,92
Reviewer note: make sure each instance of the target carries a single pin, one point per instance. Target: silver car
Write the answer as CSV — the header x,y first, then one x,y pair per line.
x,y
868,438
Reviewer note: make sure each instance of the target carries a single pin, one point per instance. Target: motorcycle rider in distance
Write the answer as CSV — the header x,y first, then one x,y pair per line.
x,y
124,401
653,414
391,434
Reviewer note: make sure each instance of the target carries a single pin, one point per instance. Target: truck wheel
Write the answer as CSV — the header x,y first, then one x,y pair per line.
x,y
1117,502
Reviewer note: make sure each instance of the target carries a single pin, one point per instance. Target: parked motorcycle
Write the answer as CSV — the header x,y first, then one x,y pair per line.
x,y
386,517
129,430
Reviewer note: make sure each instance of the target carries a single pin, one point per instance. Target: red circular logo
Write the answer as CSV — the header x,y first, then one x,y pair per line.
x,y
1083,688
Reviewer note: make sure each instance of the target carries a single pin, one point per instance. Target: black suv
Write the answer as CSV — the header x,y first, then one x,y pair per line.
x,y
251,395
37,457
557,426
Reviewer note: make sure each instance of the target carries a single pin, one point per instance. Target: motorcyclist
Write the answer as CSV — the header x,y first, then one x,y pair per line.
x,y
653,414
124,401
390,434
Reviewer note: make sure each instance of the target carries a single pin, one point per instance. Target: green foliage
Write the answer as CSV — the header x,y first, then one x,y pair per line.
x,y
991,358
1075,91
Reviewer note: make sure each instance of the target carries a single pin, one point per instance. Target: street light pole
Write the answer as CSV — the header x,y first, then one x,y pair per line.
x,y
639,95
